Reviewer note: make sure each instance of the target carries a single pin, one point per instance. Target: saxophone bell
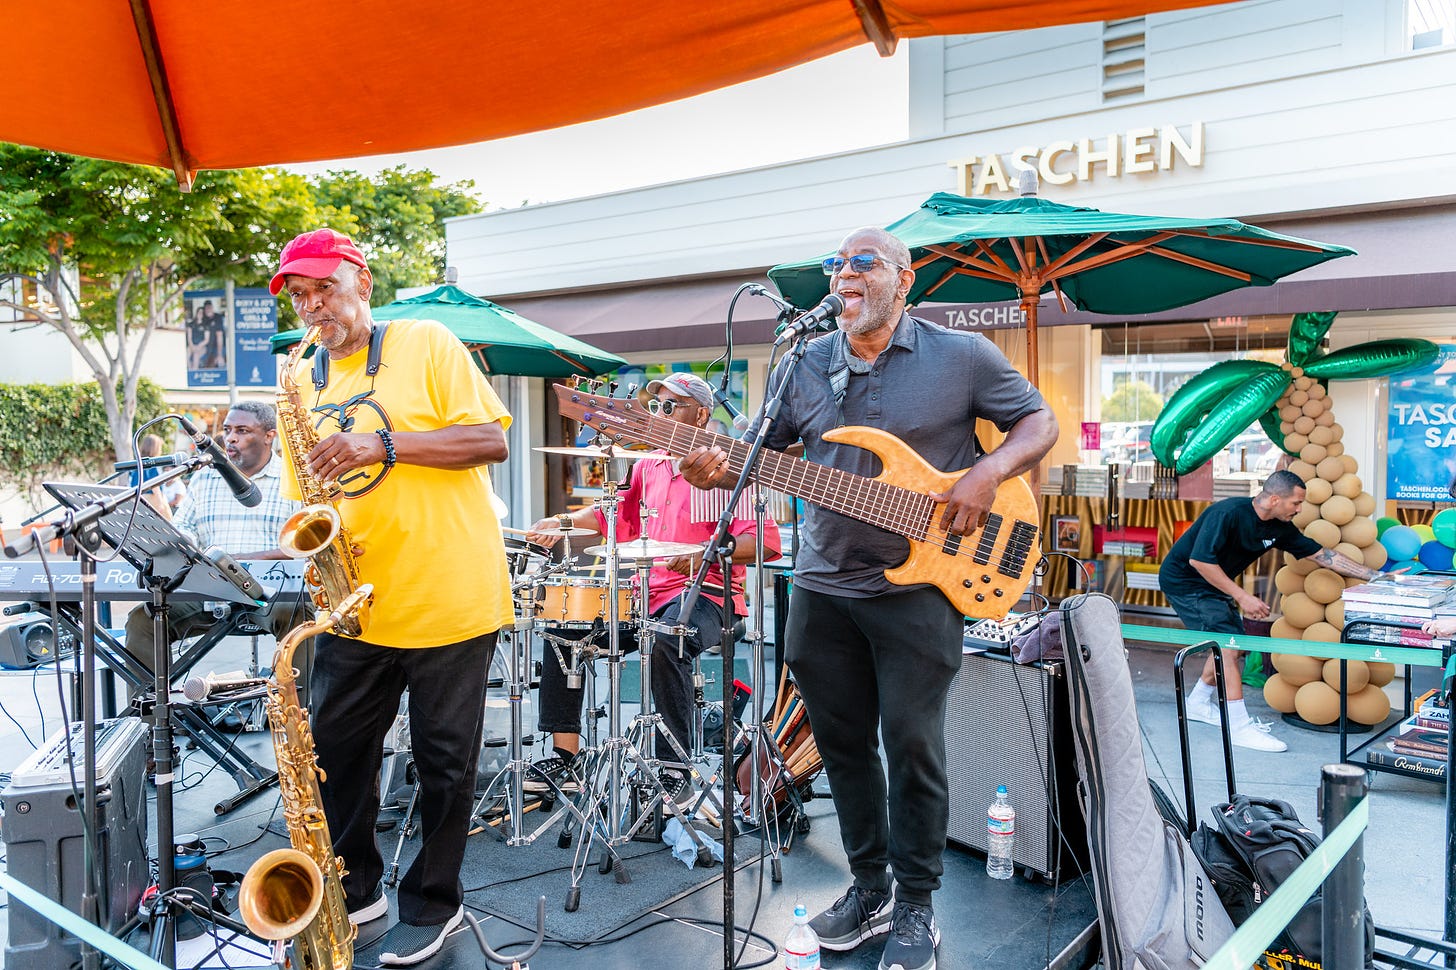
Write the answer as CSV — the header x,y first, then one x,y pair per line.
x,y
309,531
281,894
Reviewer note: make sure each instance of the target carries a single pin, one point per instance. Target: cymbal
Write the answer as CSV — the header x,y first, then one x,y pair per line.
x,y
591,451
645,548
556,531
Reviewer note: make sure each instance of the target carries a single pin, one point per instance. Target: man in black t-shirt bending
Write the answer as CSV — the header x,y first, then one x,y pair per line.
x,y
1200,579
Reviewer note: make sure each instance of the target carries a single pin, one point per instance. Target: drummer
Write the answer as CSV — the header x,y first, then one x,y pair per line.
x,y
658,503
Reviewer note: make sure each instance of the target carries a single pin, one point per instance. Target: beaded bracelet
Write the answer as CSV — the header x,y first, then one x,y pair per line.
x,y
388,439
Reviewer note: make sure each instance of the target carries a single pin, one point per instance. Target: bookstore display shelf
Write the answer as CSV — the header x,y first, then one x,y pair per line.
x,y
1416,648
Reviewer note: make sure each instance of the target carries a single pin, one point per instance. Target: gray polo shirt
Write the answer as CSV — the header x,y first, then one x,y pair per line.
x,y
927,388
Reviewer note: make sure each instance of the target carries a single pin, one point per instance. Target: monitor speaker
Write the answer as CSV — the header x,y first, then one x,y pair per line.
x,y
1009,724
29,639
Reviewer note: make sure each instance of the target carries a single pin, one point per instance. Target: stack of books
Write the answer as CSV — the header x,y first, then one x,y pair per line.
x,y
1419,745
1089,481
1165,482
1236,485
1137,489
1411,600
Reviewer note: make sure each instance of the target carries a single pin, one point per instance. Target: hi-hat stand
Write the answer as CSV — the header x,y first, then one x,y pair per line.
x,y
167,561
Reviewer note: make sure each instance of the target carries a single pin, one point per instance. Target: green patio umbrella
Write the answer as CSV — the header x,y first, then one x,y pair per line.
x,y
501,340
983,250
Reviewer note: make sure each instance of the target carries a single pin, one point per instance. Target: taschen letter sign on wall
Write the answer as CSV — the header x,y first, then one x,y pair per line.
x,y
1136,151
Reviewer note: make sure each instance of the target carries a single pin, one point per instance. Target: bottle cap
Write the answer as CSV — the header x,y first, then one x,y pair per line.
x,y
800,910
1000,789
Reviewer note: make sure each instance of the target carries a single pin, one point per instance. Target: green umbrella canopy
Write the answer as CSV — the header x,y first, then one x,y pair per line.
x,y
981,250
501,340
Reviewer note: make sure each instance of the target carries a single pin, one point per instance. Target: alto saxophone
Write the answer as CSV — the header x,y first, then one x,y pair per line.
x,y
297,894
317,532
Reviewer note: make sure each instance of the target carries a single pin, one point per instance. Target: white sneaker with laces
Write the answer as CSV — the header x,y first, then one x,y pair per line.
x,y
1205,711
1255,734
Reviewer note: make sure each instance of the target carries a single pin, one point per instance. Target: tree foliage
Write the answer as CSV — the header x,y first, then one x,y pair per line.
x,y
50,431
397,218
102,252
1132,401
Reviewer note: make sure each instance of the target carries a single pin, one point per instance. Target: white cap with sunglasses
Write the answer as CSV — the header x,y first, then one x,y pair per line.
x,y
682,384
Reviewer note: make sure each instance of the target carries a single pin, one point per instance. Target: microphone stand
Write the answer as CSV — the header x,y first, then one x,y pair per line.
x,y
767,413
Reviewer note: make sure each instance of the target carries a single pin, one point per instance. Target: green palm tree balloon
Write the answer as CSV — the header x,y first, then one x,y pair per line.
x,y
1216,405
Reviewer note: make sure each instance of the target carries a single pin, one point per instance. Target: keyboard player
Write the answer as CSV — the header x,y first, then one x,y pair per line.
x,y
210,515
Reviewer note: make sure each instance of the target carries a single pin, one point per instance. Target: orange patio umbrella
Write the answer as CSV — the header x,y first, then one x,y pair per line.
x,y
208,84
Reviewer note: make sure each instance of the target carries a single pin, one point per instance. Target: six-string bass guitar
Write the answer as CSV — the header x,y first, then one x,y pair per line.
x,y
982,574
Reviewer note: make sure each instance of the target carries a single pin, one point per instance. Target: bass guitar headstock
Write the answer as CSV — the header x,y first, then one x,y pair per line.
x,y
621,420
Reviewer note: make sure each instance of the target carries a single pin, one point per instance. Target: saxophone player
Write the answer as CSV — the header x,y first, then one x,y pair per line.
x,y
406,427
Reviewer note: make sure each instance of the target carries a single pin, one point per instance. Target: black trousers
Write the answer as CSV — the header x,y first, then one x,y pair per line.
x,y
672,676
357,686
867,668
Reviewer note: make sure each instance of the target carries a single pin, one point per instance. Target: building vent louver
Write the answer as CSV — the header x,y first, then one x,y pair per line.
x,y
1124,53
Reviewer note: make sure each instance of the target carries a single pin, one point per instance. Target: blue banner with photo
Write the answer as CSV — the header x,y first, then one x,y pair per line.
x,y
206,338
1421,455
256,321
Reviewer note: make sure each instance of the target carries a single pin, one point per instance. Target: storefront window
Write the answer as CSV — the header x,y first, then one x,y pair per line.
x,y
1143,367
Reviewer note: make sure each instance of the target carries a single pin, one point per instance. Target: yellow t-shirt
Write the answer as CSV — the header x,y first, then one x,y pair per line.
x,y
432,544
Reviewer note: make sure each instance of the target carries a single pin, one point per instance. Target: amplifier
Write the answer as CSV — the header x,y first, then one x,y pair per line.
x,y
43,838
1009,724
28,640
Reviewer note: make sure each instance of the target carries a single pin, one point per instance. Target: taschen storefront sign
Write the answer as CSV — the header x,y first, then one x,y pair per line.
x,y
1137,151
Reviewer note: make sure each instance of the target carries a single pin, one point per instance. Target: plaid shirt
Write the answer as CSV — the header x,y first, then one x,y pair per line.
x,y
211,516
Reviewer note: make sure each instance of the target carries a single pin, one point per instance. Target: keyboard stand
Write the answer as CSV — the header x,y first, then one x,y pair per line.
x,y
251,777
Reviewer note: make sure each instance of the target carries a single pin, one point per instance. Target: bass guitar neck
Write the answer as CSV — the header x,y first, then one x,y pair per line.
x,y
983,574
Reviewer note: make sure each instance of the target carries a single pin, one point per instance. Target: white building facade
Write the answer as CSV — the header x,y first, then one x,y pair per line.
x,y
1329,119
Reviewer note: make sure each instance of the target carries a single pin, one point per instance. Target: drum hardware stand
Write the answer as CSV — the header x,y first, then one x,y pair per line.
x,y
509,782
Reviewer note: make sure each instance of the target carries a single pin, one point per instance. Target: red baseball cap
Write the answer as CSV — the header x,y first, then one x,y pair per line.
x,y
315,254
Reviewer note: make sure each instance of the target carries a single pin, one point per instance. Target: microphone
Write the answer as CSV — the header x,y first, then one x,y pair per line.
x,y
161,461
242,488
198,689
720,395
755,289
829,308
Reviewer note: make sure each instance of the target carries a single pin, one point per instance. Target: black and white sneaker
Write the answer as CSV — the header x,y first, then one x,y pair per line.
x,y
560,770
372,909
855,917
405,944
913,939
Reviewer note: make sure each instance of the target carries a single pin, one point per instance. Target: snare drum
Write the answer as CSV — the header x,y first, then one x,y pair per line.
x,y
578,602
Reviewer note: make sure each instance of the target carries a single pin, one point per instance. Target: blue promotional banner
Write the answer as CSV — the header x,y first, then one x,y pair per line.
x,y
206,338
1421,456
256,320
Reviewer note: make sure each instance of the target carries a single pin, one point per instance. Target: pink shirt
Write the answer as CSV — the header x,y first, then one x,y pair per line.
x,y
658,495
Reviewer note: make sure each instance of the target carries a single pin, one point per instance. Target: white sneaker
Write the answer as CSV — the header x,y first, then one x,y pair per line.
x,y
1205,711
1255,734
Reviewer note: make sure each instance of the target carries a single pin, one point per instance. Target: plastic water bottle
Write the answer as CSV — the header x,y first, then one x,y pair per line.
x,y
1000,835
801,946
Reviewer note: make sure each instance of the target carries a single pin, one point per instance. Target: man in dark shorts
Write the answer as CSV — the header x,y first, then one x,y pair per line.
x,y
1200,579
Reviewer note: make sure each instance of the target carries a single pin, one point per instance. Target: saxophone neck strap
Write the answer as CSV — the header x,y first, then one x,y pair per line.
x,y
371,367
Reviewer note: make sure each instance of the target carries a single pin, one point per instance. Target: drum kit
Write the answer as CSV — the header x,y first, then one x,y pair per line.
x,y
581,615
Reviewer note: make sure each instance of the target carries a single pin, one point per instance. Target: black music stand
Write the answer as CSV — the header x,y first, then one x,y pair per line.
x,y
167,561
